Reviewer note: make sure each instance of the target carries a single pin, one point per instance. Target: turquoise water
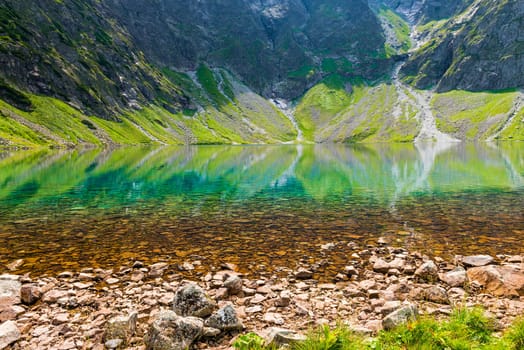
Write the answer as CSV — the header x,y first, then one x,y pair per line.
x,y
265,208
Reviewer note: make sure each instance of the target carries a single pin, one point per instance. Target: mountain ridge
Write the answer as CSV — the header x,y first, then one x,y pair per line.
x,y
211,69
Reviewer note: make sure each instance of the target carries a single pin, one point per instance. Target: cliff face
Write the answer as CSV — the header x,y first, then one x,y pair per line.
x,y
73,51
423,11
481,49
274,46
105,56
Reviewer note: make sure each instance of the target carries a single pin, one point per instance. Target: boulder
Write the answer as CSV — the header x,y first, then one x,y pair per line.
x,y
120,328
30,294
9,333
454,278
225,319
477,260
10,287
436,294
381,266
191,300
400,316
499,280
277,337
428,271
170,331
233,285
273,318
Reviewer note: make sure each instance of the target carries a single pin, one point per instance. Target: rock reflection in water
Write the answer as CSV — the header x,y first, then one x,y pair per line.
x,y
262,207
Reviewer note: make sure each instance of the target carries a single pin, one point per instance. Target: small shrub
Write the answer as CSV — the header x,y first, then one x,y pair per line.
x,y
249,341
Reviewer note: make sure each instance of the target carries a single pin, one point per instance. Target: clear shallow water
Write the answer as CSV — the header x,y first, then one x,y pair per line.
x,y
262,207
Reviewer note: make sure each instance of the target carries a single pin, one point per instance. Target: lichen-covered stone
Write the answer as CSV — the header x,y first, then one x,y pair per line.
x,y
170,331
191,300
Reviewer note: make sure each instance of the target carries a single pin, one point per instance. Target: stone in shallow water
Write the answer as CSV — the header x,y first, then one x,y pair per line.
x,y
477,260
191,300
303,274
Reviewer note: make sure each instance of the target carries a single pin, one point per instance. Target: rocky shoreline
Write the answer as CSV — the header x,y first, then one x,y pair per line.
x,y
156,307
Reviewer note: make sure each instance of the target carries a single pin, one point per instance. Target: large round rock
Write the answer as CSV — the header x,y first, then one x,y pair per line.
x,y
225,319
172,332
191,300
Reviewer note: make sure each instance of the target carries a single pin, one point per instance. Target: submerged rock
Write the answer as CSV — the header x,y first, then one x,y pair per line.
x,y
191,300
303,274
170,331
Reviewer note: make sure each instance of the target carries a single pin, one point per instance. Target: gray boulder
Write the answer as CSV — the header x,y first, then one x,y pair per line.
x,y
277,337
225,319
10,287
454,278
191,300
428,271
400,316
120,328
170,331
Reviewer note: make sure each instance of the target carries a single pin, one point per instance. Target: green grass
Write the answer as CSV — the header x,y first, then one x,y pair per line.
x,y
19,135
321,103
306,72
207,79
515,130
465,329
471,111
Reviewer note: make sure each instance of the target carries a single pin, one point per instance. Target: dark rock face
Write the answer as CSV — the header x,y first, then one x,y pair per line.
x,y
272,45
483,53
106,56
73,51
423,11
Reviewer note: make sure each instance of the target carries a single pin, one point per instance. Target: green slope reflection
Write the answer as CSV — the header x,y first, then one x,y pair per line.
x,y
182,178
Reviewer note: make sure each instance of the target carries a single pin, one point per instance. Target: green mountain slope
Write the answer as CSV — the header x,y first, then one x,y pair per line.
x,y
108,72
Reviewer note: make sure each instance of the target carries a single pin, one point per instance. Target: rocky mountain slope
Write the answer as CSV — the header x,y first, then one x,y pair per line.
x,y
128,72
